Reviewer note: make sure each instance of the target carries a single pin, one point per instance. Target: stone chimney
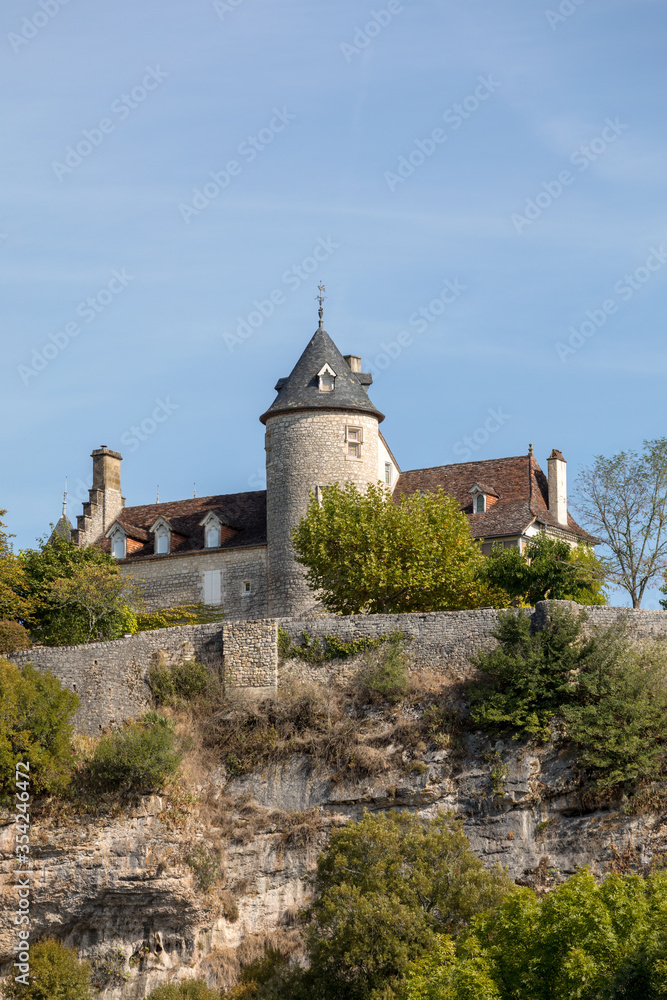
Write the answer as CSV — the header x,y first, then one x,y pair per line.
x,y
558,486
353,361
105,501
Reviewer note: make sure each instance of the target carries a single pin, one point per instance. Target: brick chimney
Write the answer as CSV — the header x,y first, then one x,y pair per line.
x,y
105,501
354,361
558,486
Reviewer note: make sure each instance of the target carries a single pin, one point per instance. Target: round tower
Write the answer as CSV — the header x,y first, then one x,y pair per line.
x,y
321,428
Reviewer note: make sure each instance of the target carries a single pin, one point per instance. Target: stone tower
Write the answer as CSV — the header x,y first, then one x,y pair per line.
x,y
321,428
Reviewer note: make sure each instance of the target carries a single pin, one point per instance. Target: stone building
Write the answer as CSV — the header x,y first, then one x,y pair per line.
x,y
235,550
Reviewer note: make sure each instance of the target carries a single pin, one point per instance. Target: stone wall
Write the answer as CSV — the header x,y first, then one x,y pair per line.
x,y
166,581
110,677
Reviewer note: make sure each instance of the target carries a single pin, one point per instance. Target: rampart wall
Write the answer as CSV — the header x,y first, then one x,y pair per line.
x,y
111,677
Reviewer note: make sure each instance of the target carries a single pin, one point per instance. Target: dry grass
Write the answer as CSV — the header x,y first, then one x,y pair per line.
x,y
227,964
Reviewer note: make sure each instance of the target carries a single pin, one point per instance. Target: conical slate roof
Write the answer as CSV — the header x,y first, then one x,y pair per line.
x,y
63,529
300,391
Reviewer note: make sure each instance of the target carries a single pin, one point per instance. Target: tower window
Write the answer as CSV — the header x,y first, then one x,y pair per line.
x,y
354,439
387,473
319,495
326,379
247,587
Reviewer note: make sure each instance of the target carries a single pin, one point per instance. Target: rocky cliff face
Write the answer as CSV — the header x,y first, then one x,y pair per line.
x,y
146,883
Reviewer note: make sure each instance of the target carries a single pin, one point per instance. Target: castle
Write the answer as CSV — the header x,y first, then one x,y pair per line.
x,y
235,550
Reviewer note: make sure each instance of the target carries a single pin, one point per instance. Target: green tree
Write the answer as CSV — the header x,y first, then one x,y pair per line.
x,y
624,501
78,594
582,941
15,605
386,889
364,552
548,569
35,726
55,974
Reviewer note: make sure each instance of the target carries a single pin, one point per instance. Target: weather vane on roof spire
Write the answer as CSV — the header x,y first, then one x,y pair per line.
x,y
65,499
321,297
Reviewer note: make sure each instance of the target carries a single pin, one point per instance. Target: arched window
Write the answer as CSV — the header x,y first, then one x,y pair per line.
x,y
480,504
213,536
118,546
162,541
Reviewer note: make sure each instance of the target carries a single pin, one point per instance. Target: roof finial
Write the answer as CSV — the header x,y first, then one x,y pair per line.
x,y
321,297
65,499
530,449
194,491
157,497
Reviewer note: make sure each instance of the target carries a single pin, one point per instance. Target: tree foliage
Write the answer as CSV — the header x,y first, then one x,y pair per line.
x,y
582,941
55,974
548,569
78,594
386,888
35,726
624,501
366,553
15,605
140,757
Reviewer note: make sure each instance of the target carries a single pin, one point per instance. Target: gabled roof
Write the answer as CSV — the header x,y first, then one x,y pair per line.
x,y
243,516
521,487
300,390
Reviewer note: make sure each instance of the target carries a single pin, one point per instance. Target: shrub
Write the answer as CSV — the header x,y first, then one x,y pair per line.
x,y
108,970
185,681
36,727
206,866
190,989
140,757
385,675
13,638
183,614
55,974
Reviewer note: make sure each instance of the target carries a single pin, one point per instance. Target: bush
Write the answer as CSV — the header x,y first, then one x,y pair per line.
x,y
13,638
185,681
138,758
183,614
191,989
385,676
55,974
36,727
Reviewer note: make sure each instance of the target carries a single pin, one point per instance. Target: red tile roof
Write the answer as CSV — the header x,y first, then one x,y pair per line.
x,y
243,516
521,487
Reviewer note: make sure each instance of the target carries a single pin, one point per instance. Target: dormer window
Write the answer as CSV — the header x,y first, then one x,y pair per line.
x,y
118,543
161,532
212,531
480,504
326,377
482,498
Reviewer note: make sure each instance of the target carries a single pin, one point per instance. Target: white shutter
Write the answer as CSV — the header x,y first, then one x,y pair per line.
x,y
212,586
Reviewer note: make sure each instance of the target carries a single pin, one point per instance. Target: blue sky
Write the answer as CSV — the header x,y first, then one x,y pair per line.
x,y
531,140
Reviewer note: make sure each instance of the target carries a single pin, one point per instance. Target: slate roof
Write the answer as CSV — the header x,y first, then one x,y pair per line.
x,y
63,528
244,514
300,390
521,487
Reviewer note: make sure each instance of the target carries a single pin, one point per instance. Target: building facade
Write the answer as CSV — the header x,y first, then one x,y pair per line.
x,y
234,551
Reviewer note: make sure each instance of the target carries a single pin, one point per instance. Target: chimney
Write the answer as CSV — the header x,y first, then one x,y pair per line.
x,y
106,469
558,486
353,361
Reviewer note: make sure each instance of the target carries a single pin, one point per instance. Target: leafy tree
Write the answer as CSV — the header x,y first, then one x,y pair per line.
x,y
15,605
548,569
624,501
13,637
387,887
366,553
140,757
582,941
35,726
55,974
78,594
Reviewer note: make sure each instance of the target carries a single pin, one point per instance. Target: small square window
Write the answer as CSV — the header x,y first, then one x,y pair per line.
x,y
353,450
354,437
247,587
